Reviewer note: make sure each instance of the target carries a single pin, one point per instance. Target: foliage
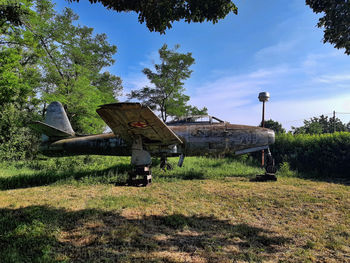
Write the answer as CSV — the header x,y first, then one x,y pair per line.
x,y
274,125
68,62
167,94
18,78
285,170
45,57
11,13
159,15
71,66
322,124
323,154
335,22
17,141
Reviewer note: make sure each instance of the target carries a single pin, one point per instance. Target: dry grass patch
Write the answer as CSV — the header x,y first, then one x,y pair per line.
x,y
226,219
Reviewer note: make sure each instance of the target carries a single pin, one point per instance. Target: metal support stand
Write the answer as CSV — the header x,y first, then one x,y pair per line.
x,y
141,161
140,176
181,160
270,170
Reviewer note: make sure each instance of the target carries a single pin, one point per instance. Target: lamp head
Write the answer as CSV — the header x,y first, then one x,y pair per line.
x,y
264,96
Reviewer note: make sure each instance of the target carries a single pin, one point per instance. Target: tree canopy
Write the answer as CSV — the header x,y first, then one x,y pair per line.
x,y
70,59
46,57
11,13
319,125
335,21
274,125
160,14
167,94
72,66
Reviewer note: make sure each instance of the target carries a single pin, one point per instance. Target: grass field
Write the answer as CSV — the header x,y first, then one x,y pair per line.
x,y
70,210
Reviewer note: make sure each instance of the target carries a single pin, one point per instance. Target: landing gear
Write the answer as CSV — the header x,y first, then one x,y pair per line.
x,y
270,170
164,164
140,176
141,161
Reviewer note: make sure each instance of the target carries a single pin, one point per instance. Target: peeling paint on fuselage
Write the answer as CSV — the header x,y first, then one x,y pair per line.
x,y
221,137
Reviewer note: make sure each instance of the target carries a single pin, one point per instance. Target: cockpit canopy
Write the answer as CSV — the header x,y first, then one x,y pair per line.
x,y
196,119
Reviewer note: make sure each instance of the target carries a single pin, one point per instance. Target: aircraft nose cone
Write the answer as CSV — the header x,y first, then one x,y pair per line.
x,y
271,136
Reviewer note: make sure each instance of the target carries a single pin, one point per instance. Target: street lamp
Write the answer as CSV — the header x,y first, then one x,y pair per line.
x,y
263,97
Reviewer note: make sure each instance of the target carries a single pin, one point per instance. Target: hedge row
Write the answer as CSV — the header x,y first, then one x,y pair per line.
x,y
325,154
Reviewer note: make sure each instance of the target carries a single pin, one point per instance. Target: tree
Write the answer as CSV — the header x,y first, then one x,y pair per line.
x,y
69,59
159,14
336,21
19,76
72,61
17,141
318,125
167,95
14,81
274,125
11,13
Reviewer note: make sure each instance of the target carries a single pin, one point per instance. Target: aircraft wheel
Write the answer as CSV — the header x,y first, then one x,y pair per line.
x,y
165,166
271,169
169,166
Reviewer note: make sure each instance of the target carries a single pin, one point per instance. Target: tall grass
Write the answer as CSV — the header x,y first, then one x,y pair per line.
x,y
97,169
208,168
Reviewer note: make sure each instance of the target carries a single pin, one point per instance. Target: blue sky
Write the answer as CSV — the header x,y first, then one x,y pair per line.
x,y
270,45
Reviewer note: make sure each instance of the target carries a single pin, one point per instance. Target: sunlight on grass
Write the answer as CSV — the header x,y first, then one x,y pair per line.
x,y
69,210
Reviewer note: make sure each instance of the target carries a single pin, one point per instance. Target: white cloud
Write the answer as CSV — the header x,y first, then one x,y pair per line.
x,y
288,112
327,70
282,47
335,78
136,79
132,82
293,112
314,59
228,95
298,90
150,60
295,96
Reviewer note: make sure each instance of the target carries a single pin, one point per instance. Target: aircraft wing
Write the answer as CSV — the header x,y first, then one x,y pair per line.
x,y
130,120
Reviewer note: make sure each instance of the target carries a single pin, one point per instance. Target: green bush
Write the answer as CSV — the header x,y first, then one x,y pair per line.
x,y
325,154
284,170
17,141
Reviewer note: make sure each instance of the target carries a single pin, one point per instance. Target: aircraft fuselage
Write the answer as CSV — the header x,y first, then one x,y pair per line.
x,y
198,139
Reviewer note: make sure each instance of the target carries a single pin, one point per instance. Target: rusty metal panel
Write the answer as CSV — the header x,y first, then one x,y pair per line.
x,y
130,120
221,138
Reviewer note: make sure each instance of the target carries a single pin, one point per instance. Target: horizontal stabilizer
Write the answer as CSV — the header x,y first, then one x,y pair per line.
x,y
49,130
130,120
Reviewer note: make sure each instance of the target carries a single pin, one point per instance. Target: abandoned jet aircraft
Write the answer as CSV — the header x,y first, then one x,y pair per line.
x,y
139,133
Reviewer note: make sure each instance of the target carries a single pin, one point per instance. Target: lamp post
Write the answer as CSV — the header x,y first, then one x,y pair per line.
x,y
263,97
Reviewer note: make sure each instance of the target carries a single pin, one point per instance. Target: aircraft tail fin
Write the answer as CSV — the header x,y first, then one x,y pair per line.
x,y
57,125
